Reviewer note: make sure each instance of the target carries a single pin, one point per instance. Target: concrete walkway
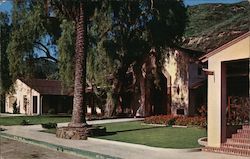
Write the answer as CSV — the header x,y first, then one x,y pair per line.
x,y
99,148
10,115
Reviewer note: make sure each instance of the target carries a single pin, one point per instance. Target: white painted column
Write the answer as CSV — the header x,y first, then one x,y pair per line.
x,y
41,105
214,105
38,104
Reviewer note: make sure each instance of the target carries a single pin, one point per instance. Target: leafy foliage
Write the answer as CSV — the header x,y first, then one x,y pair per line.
x,y
5,80
238,110
26,29
99,63
120,34
138,26
66,53
49,125
27,38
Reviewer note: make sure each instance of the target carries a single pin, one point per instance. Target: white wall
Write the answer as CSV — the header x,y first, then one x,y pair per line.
x,y
175,68
20,90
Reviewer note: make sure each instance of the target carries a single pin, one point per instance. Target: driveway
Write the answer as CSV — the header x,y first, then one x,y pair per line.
x,y
11,149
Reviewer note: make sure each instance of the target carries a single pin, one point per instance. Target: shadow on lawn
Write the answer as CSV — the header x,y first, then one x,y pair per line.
x,y
129,130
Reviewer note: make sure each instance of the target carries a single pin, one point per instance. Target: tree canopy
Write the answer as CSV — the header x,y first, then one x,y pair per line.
x,y
5,79
32,38
119,35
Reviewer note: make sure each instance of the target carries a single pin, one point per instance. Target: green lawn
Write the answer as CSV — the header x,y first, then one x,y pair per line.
x,y
16,120
165,137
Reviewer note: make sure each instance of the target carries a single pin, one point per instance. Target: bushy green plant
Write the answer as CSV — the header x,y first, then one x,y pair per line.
x,y
15,108
51,111
25,122
49,125
171,121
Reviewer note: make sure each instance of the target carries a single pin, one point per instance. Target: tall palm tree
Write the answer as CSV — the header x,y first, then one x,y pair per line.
x,y
78,116
76,10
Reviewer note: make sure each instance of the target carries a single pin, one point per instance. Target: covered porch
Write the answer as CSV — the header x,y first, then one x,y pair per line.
x,y
228,79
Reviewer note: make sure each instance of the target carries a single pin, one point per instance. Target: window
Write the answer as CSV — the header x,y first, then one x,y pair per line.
x,y
180,112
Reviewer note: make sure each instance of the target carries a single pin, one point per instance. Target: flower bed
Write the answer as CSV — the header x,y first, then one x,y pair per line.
x,y
161,119
170,120
191,121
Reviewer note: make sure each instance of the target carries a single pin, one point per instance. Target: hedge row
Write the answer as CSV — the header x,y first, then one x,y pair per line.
x,y
177,120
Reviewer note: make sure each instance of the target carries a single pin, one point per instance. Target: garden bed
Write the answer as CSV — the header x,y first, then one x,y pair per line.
x,y
170,120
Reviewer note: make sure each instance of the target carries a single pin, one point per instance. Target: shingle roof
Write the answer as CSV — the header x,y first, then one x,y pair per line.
x,y
46,87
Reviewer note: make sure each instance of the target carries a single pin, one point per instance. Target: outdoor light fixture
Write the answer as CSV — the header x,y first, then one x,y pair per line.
x,y
207,72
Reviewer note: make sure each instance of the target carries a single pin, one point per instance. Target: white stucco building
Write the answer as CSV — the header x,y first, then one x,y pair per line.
x,y
37,96
228,75
186,82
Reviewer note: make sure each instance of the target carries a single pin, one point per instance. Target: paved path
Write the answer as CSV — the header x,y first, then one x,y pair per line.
x,y
113,148
11,149
10,115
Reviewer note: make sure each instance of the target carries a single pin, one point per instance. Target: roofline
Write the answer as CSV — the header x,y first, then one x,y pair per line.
x,y
223,47
27,85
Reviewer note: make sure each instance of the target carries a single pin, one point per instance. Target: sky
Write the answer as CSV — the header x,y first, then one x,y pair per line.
x,y
5,5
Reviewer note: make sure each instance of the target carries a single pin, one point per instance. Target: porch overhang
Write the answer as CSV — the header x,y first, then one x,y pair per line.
x,y
236,50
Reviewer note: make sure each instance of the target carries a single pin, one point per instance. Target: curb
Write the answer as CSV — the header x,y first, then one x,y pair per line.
x,y
64,149
145,147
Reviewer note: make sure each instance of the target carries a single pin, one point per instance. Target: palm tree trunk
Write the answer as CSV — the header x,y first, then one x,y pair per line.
x,y
79,106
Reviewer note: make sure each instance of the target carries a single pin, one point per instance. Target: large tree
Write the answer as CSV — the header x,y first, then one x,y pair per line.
x,y
76,10
137,27
128,31
5,79
32,40
4,63
80,12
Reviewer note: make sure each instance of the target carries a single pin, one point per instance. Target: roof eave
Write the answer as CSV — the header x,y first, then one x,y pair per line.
x,y
230,43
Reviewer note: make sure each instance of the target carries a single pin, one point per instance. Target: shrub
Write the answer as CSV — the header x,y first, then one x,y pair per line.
x,y
16,109
51,111
203,111
49,125
191,121
176,120
161,119
25,122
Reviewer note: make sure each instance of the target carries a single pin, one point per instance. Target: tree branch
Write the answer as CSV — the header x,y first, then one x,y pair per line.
x,y
45,50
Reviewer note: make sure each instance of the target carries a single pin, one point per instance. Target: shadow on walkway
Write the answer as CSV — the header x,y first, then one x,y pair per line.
x,y
115,132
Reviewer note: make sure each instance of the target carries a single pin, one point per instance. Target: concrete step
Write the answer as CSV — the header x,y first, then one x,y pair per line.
x,y
227,150
236,145
243,131
246,127
239,140
241,135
